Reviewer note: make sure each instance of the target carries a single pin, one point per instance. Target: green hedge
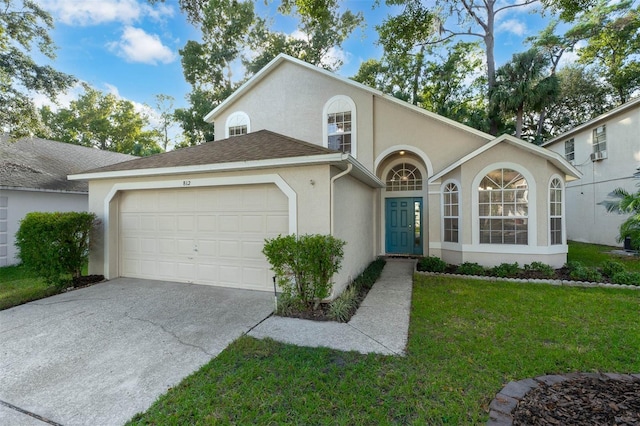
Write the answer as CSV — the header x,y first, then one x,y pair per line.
x,y
55,245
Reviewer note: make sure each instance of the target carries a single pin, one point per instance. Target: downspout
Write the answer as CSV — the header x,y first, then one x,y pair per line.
x,y
332,194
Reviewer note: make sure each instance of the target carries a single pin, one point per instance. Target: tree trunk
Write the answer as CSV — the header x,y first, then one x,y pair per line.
x,y
519,115
489,42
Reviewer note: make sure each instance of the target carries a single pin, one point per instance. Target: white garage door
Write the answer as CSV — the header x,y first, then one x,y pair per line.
x,y
208,235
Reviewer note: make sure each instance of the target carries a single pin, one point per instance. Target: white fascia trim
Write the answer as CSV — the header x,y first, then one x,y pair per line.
x,y
197,183
54,191
366,173
282,57
570,171
602,117
219,167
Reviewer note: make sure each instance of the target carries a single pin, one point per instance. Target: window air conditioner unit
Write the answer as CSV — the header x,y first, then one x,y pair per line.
x,y
597,156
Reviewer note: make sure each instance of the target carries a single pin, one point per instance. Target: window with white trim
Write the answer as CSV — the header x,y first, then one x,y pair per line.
x,y
451,204
600,139
237,124
339,117
503,208
404,177
570,150
555,211
339,131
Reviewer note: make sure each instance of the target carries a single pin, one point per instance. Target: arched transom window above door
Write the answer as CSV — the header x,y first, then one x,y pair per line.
x,y
404,177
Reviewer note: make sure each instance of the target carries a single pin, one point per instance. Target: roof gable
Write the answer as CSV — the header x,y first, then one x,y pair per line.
x,y
41,164
571,173
634,103
282,58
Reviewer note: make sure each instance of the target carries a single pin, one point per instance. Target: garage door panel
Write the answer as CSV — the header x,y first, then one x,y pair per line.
x,y
218,240
229,223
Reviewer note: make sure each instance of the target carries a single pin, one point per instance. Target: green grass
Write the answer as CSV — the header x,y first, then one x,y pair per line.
x,y
18,286
467,339
593,255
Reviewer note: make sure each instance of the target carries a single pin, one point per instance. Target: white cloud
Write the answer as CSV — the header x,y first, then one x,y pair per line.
x,y
94,12
136,45
63,100
513,26
571,57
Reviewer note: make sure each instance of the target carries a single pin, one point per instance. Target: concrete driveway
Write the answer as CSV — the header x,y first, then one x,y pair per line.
x,y
99,355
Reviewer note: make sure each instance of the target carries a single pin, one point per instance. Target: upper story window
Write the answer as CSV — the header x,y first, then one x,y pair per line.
x,y
451,216
340,124
570,150
555,211
404,177
503,208
237,124
600,139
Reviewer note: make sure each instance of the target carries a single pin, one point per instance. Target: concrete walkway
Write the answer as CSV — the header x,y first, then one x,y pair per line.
x,y
381,324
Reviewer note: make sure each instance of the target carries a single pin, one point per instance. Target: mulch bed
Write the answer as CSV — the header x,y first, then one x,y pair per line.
x,y
581,401
86,280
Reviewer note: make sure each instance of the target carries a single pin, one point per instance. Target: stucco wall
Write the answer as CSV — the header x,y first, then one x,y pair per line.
x,y
588,221
19,203
290,101
310,184
354,213
539,172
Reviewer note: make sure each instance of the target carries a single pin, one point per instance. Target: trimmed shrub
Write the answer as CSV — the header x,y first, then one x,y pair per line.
x,y
611,267
305,264
583,273
470,268
432,264
506,270
343,306
624,277
542,269
55,245
370,275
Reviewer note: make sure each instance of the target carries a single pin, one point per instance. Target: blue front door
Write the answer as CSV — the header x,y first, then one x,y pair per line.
x,y
403,225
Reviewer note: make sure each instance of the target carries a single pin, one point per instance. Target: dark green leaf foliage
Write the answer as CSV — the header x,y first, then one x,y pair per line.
x,y
432,264
370,275
305,264
470,268
625,277
624,202
505,270
342,308
544,270
610,267
55,245
23,26
584,273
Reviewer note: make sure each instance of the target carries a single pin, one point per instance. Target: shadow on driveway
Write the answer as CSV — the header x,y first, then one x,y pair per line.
x,y
101,354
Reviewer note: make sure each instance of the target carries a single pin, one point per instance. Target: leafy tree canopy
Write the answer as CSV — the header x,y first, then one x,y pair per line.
x,y
101,121
24,25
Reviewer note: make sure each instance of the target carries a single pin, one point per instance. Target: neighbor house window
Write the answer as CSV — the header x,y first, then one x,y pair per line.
x,y
570,150
339,117
237,130
404,177
451,204
600,139
555,211
503,208
237,124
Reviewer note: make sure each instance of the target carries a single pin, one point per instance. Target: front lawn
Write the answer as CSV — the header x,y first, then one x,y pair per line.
x,y
19,285
467,339
593,255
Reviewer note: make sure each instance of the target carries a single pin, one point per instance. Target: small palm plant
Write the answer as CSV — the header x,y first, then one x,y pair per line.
x,y
625,202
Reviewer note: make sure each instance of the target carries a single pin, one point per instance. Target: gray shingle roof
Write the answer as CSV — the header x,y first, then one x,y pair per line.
x,y
35,163
255,146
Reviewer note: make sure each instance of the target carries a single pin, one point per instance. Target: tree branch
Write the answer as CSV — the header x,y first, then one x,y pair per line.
x,y
510,6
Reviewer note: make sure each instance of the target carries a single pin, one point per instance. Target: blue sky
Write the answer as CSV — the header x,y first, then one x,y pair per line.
x,y
130,48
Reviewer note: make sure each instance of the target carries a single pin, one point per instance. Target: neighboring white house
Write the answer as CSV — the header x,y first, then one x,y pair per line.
x,y
33,177
301,150
606,150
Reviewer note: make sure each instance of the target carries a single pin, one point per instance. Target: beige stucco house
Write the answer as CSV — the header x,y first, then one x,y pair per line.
x,y
301,150
606,150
